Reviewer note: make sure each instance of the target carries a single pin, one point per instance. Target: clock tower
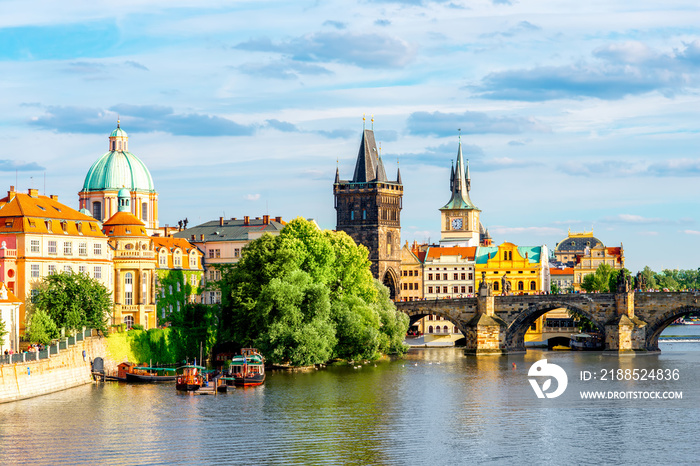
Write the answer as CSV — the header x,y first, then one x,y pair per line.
x,y
460,217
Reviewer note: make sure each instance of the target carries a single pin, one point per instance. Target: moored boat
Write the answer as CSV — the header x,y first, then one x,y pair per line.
x,y
151,375
248,368
586,342
189,378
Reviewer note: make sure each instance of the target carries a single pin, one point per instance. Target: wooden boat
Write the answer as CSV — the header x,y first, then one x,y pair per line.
x,y
247,369
189,378
586,342
151,375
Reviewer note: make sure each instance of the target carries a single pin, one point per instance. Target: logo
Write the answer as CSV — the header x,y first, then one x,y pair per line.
x,y
542,369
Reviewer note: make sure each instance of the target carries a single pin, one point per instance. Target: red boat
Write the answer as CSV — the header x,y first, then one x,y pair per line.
x,y
248,369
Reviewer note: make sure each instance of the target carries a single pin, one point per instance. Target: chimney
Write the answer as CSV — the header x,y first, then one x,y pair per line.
x,y
221,221
193,237
201,237
11,193
278,219
246,220
33,192
266,219
54,197
257,218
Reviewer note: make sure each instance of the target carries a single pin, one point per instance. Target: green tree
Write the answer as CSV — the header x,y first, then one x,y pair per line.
x,y
599,280
306,296
74,301
649,277
3,332
617,276
193,326
554,288
41,328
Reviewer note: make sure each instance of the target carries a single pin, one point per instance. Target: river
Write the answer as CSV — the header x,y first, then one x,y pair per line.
x,y
435,406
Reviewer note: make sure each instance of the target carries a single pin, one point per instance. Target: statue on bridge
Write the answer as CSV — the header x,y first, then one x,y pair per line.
x,y
623,284
505,285
485,288
641,281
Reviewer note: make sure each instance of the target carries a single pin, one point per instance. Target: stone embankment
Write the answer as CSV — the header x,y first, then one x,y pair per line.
x,y
67,369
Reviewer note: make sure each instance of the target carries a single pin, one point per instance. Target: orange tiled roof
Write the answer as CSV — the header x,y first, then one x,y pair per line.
x,y
124,224
170,242
467,252
43,214
566,271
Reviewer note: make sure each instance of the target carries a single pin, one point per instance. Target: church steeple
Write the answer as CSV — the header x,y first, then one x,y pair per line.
x,y
460,183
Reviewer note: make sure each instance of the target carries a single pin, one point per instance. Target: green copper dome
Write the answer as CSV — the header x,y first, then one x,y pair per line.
x,y
118,169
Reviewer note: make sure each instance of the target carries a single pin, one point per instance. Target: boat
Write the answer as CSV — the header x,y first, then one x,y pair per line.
x,y
189,378
247,369
151,375
586,342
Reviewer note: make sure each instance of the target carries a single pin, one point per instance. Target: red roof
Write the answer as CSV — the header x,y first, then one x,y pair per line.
x,y
566,271
468,253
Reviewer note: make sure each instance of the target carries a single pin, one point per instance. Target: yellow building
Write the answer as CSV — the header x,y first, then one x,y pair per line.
x,y
584,253
411,272
134,267
523,269
39,236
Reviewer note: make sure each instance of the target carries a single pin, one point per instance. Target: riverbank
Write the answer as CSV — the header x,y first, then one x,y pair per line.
x,y
68,369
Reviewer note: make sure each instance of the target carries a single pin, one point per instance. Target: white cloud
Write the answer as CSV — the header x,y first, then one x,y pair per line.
x,y
252,197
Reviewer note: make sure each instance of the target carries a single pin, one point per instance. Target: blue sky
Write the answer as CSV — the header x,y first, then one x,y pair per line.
x,y
574,115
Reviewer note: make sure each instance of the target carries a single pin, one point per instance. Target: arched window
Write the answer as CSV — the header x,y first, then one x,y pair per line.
x,y
454,330
119,145
177,259
129,321
430,317
128,289
178,286
533,286
445,329
495,286
162,259
430,329
388,243
97,210
144,288
521,286
144,212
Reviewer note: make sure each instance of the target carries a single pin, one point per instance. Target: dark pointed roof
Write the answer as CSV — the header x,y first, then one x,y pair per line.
x,y
381,173
367,159
398,175
460,185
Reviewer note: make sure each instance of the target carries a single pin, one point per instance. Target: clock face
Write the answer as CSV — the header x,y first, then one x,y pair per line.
x,y
457,223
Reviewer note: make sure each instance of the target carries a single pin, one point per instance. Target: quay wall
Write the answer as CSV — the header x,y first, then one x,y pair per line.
x,y
65,370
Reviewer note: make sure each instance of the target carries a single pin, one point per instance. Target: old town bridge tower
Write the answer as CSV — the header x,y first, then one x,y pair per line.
x,y
369,210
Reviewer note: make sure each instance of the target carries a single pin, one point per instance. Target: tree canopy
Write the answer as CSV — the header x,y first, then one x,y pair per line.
x,y
307,296
73,301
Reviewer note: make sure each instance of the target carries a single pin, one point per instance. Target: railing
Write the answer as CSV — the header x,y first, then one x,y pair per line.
x,y
55,348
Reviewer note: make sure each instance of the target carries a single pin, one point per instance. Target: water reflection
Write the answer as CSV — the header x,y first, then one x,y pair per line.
x,y
436,406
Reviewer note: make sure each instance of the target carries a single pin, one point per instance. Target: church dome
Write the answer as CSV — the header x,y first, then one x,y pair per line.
x,y
118,169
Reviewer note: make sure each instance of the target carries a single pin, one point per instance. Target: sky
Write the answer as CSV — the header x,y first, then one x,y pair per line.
x,y
574,116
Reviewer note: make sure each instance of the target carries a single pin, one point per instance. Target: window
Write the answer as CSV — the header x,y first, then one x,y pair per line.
x,y
35,271
455,289
236,252
67,269
97,272
129,321
430,329
352,215
178,287
533,286
178,306
97,249
437,329
471,276
34,245
454,276
144,212
82,269
445,329
211,253
405,286
444,289
170,289
52,269
430,276
454,330
495,286
97,210
217,253
464,276
52,247
463,289
430,289
388,243
68,248
177,259
193,261
128,289
521,287
162,260
82,249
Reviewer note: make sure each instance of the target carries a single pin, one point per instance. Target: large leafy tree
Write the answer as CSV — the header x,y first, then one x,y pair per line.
x,y
41,328
191,330
73,301
307,296
599,280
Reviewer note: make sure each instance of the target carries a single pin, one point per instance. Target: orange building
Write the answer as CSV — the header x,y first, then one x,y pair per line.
x,y
41,236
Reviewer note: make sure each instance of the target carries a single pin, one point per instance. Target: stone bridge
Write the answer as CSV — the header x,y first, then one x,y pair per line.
x,y
630,321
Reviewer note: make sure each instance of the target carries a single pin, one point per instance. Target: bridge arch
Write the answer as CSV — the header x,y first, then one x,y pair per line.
x,y
515,334
662,321
417,313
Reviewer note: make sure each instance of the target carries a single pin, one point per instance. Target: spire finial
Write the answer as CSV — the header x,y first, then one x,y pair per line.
x,y
372,122
118,121
363,122
459,130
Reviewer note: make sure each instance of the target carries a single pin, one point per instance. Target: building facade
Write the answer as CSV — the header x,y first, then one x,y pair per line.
x,y
134,267
520,269
449,272
9,314
179,275
222,241
116,169
368,208
412,272
42,237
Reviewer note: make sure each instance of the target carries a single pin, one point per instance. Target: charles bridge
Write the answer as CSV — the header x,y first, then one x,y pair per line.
x,y
631,321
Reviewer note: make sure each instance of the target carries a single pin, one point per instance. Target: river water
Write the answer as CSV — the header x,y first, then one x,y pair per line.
x,y
435,406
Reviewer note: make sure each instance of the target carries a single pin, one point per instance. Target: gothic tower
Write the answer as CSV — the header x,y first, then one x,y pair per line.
x,y
460,217
369,210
